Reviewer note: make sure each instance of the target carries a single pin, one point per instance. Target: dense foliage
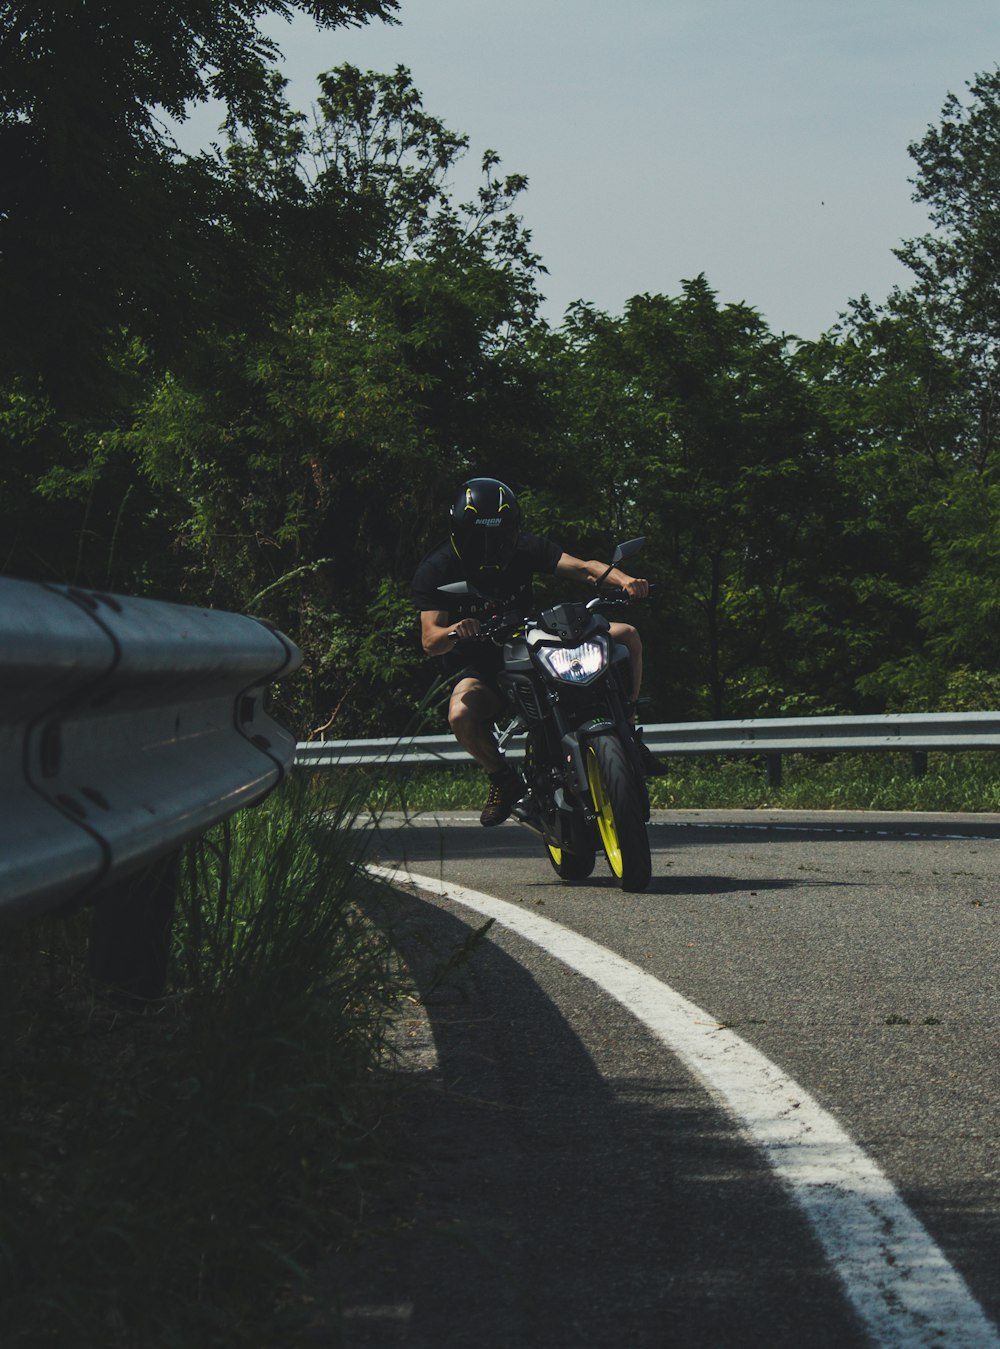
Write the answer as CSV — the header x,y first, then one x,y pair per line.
x,y
252,378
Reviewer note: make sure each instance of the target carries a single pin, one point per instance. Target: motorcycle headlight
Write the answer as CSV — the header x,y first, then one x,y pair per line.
x,y
575,664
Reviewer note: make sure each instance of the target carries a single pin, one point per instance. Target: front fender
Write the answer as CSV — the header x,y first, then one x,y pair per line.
x,y
572,751
594,730
574,745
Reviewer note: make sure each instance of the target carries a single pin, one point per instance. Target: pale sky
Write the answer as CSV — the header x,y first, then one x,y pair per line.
x,y
762,142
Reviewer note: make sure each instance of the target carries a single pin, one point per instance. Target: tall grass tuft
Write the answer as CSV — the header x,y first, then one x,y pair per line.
x,y
169,1175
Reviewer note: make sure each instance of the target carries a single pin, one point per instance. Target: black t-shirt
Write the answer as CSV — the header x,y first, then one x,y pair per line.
x,y
509,591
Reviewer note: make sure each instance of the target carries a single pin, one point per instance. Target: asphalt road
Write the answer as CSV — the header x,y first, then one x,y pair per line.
x,y
570,1182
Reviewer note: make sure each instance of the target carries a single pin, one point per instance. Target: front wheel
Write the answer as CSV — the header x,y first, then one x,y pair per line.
x,y
620,818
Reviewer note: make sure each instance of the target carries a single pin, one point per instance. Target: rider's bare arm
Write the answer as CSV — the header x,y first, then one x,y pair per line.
x,y
438,636
636,588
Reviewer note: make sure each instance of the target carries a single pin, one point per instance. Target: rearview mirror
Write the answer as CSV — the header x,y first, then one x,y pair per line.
x,y
626,549
463,588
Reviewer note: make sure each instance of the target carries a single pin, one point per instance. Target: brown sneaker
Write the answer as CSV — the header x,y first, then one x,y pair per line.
x,y
506,787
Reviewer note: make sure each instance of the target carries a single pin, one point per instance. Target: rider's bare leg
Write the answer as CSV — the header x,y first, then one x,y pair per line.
x,y
473,708
629,637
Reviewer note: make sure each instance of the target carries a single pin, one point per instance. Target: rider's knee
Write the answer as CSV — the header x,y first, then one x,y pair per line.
x,y
461,717
458,714
629,636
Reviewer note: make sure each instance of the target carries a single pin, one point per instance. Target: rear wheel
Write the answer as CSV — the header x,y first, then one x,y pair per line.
x,y
571,866
620,818
568,866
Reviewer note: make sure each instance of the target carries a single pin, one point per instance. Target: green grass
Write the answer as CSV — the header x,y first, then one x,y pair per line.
x,y
966,782
169,1175
955,782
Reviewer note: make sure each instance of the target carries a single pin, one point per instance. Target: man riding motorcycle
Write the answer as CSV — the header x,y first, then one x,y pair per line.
x,y
488,549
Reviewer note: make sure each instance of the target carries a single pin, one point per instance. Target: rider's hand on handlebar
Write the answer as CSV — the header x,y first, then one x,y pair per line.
x,y
464,628
637,588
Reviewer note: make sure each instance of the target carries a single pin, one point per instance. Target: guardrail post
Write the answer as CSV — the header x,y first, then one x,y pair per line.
x,y
130,932
773,770
918,763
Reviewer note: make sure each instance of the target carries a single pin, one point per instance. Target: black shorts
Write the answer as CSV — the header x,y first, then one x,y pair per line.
x,y
483,661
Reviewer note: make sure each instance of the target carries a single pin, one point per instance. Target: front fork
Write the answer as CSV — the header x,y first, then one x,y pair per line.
x,y
574,795
573,749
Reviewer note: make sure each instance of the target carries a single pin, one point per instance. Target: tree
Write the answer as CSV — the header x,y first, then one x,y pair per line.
x,y
891,401
933,391
957,267
299,467
692,426
103,225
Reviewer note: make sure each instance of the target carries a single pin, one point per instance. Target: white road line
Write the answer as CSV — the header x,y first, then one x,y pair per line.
x,y
896,1276
856,829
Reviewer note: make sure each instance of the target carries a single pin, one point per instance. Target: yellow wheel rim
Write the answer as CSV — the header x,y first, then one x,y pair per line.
x,y
555,854
605,815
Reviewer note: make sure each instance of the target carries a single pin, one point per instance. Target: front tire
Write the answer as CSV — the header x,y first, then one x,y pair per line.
x,y
620,820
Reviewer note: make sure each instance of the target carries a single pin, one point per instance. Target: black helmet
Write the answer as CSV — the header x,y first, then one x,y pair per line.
x,y
485,524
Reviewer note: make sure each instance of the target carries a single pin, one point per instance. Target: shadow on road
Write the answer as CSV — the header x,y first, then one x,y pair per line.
x,y
490,848
565,1184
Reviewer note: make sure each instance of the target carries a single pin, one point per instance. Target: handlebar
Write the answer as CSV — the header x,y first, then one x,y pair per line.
x,y
490,628
618,600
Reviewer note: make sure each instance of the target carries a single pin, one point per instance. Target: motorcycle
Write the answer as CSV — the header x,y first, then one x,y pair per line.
x,y
567,685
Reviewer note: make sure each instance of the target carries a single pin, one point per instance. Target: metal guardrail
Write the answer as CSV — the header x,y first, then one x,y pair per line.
x,y
770,737
419,749
127,727
921,731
